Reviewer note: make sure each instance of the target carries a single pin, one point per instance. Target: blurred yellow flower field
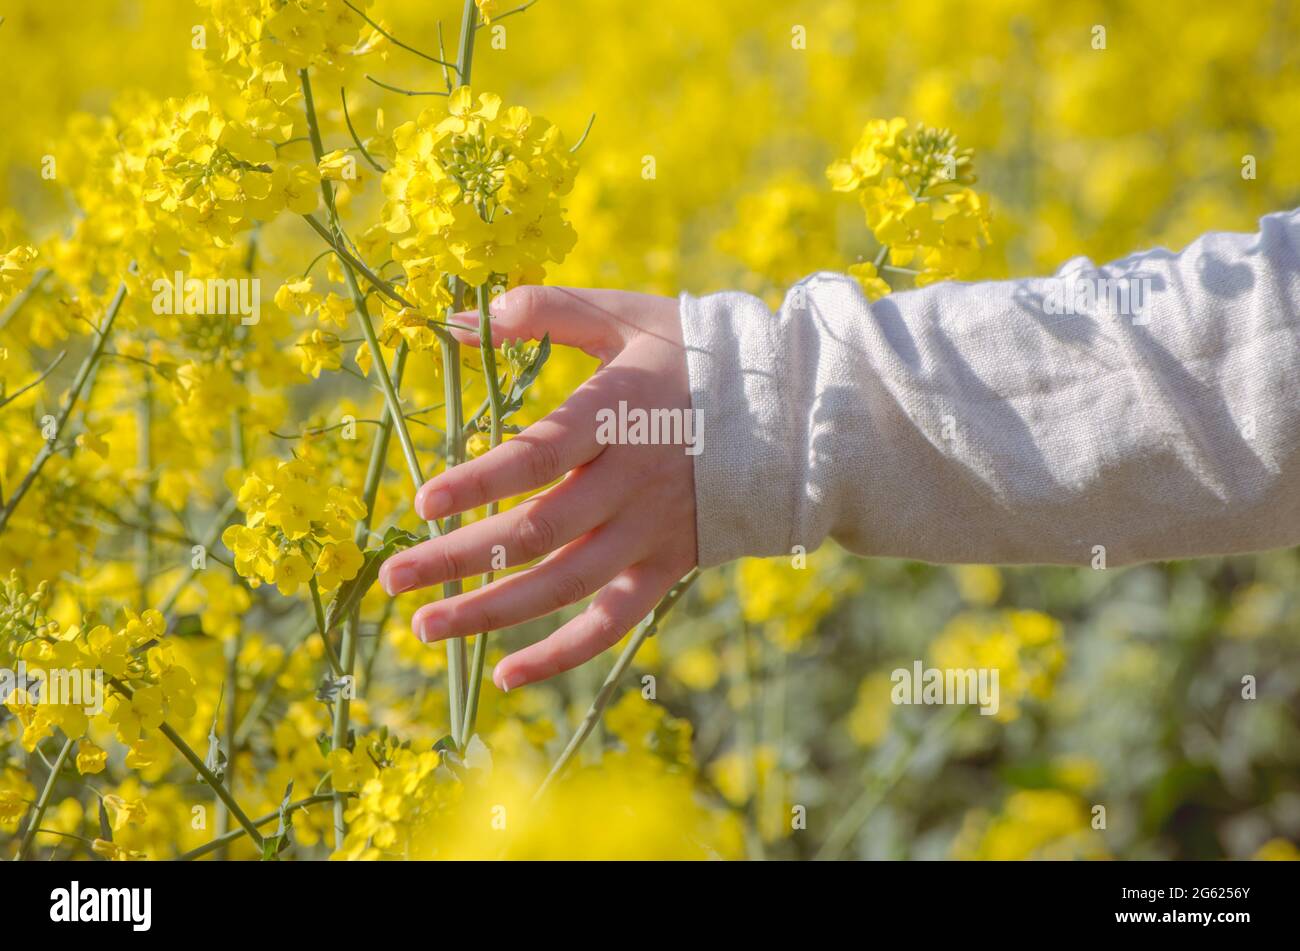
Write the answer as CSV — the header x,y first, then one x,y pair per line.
x,y
231,234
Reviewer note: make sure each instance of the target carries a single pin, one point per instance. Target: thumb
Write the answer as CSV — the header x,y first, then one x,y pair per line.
x,y
599,322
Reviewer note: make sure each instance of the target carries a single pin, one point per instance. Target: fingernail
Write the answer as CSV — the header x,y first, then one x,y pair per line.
x,y
396,578
426,626
499,679
432,503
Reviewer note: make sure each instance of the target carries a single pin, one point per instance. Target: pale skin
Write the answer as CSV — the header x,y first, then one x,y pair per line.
x,y
619,525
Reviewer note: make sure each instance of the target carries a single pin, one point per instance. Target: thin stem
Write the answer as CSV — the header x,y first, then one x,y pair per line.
x,y
318,611
347,117
24,296
210,778
465,58
585,132
36,382
78,384
747,741
370,494
453,452
347,645
496,404
199,767
38,813
405,92
144,501
395,41
374,280
518,9
496,400
642,634
235,834
229,722
874,792
342,712
457,658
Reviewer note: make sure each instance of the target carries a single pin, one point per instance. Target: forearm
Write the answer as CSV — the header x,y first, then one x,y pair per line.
x,y
968,423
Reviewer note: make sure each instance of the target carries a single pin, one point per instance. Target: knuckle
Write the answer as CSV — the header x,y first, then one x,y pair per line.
x,y
570,588
605,628
525,303
474,490
449,564
542,460
471,619
533,535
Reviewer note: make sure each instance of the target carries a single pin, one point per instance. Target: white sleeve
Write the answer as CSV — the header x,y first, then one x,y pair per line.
x,y
1159,416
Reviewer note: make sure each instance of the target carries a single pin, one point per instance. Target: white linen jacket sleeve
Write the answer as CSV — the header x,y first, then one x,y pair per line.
x,y
1158,417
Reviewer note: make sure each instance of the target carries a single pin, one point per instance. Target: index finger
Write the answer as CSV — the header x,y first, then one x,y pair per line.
x,y
595,321
546,450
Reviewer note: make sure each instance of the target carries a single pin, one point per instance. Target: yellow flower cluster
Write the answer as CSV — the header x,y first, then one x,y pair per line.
x,y
1033,824
706,183
475,191
15,269
265,37
294,533
1025,647
127,681
219,175
914,187
788,597
398,797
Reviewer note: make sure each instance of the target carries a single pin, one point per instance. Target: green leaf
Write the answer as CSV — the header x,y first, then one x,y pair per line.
x,y
273,845
515,398
447,744
351,592
105,827
216,758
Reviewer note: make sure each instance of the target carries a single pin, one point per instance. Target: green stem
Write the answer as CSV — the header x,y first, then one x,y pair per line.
x,y
39,812
496,403
370,495
457,660
642,634
199,767
874,792
144,502
458,689
225,839
342,712
747,740
78,384
465,58
210,778
318,611
19,302
229,722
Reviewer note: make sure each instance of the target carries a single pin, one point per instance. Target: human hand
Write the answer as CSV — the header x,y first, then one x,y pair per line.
x,y
620,524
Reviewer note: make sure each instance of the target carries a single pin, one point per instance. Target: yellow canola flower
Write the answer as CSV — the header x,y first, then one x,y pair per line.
x,y
489,9
15,270
1026,648
913,186
90,758
293,532
1033,824
475,191
318,351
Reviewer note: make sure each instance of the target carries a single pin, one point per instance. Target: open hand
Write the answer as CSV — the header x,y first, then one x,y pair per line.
x,y
621,522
